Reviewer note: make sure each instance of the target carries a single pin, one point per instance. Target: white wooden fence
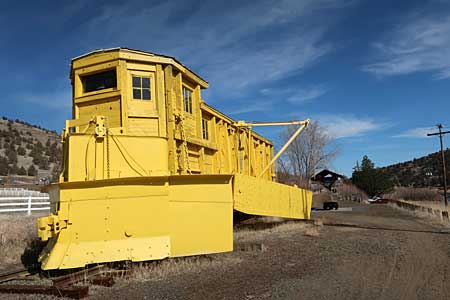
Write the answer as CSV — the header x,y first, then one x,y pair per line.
x,y
24,204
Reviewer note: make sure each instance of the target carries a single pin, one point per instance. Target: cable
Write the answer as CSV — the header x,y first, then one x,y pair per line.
x,y
131,156
123,155
86,158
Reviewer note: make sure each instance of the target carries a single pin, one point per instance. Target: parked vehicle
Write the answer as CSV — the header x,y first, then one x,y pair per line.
x,y
330,205
379,201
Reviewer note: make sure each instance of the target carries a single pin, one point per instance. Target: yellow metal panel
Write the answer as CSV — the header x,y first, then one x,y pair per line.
x,y
201,214
109,220
261,197
140,219
128,157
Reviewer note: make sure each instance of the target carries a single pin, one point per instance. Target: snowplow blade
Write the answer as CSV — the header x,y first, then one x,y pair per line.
x,y
257,196
137,219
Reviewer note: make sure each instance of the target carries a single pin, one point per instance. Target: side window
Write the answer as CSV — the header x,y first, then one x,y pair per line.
x,y
205,129
141,88
99,81
187,99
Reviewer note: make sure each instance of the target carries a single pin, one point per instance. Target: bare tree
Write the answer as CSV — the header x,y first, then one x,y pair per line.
x,y
310,151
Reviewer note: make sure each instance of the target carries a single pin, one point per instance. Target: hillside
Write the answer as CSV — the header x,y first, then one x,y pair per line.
x,y
27,150
425,171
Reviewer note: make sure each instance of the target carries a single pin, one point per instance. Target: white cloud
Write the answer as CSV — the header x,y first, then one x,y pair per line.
x,y
419,44
252,107
233,46
54,100
305,94
340,126
419,132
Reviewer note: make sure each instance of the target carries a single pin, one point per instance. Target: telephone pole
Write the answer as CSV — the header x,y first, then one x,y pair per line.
x,y
441,133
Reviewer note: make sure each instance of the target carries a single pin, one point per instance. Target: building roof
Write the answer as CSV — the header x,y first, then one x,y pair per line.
x,y
325,173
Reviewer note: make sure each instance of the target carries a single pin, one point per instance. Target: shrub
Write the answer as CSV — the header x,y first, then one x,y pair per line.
x,y
415,194
13,169
21,151
22,171
32,171
43,164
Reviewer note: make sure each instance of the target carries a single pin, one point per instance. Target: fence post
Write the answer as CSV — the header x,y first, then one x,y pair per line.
x,y
29,205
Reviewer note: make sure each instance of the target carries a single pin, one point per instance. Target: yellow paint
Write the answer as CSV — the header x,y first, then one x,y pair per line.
x,y
259,197
139,180
140,218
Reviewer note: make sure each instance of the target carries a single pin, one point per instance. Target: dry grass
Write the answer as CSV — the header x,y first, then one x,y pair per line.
x,y
415,194
17,233
432,218
351,192
312,231
161,270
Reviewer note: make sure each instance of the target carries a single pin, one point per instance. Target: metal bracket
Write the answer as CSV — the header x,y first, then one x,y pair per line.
x,y
100,126
50,226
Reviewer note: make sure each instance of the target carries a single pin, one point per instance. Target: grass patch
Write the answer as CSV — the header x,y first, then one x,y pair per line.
x,y
18,236
160,270
415,194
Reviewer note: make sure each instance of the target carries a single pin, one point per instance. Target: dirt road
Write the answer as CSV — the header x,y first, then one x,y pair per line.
x,y
339,263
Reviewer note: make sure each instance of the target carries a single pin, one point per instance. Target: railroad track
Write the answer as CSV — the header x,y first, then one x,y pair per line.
x,y
17,279
13,272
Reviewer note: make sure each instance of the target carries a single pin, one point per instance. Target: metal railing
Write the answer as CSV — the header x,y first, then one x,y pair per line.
x,y
24,204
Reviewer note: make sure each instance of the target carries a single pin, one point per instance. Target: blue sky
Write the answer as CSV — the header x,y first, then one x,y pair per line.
x,y
374,73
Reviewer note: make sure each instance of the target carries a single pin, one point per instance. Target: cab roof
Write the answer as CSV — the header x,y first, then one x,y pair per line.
x,y
135,55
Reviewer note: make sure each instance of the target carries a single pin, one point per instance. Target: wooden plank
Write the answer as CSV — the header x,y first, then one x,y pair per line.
x,y
76,277
126,90
161,100
170,108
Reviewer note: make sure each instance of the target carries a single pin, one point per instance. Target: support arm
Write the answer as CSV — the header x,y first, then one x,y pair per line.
x,y
302,125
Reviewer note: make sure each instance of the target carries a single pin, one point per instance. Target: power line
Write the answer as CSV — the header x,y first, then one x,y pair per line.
x,y
444,171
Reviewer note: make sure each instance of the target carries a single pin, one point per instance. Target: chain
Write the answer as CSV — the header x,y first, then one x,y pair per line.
x,y
107,153
185,144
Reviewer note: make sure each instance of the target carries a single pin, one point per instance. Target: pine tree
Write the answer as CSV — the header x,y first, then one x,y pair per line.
x,y
32,171
43,164
371,180
3,166
13,169
22,171
21,151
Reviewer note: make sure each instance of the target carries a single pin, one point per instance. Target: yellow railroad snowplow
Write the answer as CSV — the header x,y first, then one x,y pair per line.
x,y
151,171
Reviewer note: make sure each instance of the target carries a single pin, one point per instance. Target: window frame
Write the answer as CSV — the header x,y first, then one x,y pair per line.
x,y
190,107
142,75
205,128
82,78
